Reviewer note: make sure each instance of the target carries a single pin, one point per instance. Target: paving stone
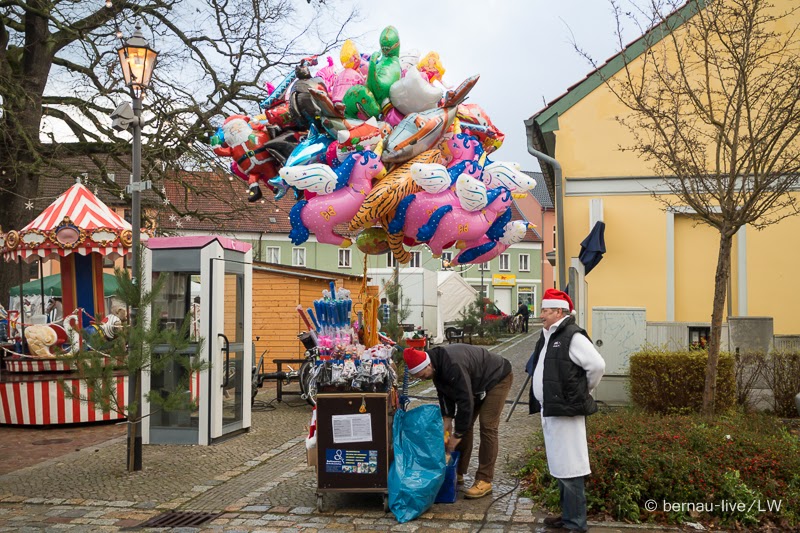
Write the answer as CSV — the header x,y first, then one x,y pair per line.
x,y
259,480
256,508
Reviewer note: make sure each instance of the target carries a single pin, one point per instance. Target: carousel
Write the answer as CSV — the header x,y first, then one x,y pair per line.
x,y
80,232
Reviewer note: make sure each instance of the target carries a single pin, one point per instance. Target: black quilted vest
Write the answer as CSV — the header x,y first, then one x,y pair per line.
x,y
566,389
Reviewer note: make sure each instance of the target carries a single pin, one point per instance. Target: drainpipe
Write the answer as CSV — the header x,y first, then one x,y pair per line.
x,y
561,261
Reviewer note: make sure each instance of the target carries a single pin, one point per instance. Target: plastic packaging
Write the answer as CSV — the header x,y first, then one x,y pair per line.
x,y
418,470
449,490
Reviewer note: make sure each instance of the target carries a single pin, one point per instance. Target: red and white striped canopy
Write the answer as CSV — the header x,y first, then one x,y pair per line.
x,y
77,222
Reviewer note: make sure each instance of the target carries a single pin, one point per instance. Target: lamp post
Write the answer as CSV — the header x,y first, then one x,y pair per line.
x,y
137,60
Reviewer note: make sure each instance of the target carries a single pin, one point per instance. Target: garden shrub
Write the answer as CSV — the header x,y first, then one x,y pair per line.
x,y
749,370
665,381
637,456
782,374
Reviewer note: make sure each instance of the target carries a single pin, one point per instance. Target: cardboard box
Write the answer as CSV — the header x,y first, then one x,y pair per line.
x,y
311,457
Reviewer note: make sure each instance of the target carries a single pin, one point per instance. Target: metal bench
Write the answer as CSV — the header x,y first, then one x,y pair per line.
x,y
459,334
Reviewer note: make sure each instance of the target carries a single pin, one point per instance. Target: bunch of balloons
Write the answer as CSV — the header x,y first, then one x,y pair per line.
x,y
383,146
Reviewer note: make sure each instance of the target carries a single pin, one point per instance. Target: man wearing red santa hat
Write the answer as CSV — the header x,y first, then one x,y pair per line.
x,y
471,382
565,368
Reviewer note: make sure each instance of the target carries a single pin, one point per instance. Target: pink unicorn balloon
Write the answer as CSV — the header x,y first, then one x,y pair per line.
x,y
486,248
463,154
450,224
439,189
460,147
340,193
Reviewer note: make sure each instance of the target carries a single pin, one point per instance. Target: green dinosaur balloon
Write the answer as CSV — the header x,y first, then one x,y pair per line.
x,y
384,66
360,103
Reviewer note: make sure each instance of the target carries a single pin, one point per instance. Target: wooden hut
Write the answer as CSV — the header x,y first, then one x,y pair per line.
x,y
277,290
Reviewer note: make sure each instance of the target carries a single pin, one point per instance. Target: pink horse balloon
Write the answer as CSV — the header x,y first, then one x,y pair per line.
x,y
340,193
463,154
450,224
486,248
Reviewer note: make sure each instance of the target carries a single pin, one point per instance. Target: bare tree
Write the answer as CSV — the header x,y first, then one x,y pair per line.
x,y
60,79
714,107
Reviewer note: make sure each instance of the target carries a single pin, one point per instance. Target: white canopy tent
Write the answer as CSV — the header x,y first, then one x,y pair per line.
x,y
454,295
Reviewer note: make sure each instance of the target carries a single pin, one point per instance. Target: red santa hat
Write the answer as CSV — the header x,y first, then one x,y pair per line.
x,y
557,299
416,360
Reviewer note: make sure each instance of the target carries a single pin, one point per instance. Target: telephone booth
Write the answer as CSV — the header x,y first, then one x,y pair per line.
x,y
209,282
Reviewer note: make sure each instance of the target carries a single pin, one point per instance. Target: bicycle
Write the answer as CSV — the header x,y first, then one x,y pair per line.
x,y
517,324
302,375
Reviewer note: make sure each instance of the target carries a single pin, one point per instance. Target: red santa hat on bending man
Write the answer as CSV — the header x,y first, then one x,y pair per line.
x,y
555,299
416,360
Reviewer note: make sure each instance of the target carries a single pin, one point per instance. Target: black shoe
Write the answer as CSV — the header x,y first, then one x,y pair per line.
x,y
554,522
254,193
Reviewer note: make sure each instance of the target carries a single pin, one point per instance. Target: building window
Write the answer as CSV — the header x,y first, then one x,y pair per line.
x,y
485,266
524,263
112,177
391,262
344,258
299,257
273,254
447,259
127,215
505,262
108,262
416,260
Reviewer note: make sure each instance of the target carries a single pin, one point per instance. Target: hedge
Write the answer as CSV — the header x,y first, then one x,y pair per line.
x,y
665,381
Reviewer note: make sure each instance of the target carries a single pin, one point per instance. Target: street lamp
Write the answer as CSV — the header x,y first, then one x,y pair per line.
x,y
138,61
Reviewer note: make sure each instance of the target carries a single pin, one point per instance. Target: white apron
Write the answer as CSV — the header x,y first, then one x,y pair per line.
x,y
565,436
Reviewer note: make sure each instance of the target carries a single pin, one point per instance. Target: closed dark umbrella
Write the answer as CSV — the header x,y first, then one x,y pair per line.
x,y
593,247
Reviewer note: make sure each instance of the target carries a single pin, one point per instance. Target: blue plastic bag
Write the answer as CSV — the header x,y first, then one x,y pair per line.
x,y
418,469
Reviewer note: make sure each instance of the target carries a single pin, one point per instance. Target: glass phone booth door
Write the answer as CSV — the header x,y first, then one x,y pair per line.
x,y
230,375
206,295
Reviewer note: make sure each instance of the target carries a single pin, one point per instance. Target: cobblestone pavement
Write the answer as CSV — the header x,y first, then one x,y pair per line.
x,y
23,447
258,481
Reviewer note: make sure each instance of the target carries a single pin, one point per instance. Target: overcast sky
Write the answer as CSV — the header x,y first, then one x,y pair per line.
x,y
521,48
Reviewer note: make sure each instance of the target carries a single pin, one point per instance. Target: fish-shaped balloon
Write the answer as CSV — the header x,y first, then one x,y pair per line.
x,y
310,150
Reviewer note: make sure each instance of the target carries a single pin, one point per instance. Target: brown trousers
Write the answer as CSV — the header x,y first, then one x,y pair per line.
x,y
489,412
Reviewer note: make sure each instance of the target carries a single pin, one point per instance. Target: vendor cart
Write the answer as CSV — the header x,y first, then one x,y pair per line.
x,y
354,443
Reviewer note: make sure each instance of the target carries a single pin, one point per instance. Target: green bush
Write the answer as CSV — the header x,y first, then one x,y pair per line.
x,y
782,373
665,382
637,456
749,370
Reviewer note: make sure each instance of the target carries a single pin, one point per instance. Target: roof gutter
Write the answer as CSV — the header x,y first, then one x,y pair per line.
x,y
298,274
561,262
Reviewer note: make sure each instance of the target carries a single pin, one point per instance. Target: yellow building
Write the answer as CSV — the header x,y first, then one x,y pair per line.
x,y
658,259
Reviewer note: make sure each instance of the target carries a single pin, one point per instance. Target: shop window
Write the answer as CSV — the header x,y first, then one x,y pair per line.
x,y
527,296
